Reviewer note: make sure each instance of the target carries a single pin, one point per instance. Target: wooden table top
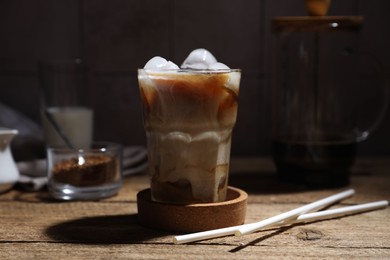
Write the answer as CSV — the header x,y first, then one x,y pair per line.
x,y
33,226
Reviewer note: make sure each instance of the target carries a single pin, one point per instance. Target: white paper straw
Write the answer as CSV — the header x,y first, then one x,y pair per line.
x,y
331,213
205,235
231,230
250,228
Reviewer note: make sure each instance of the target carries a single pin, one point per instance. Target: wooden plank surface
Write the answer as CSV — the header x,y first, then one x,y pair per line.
x,y
33,226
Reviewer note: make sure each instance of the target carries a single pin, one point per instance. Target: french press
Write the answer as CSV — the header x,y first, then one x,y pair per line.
x,y
322,83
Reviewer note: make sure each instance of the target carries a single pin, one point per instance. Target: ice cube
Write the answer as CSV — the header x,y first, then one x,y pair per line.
x,y
159,63
199,59
218,66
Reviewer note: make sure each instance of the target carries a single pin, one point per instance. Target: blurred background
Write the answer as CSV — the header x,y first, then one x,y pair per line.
x,y
116,37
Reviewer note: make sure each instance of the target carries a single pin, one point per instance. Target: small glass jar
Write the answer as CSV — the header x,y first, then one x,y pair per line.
x,y
84,173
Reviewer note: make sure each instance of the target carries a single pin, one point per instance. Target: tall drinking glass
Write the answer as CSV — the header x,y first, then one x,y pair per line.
x,y
67,118
189,116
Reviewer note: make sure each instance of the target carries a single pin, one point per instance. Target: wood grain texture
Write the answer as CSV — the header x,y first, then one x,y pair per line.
x,y
33,226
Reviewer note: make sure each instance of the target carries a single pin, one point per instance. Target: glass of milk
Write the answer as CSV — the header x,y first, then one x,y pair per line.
x,y
67,118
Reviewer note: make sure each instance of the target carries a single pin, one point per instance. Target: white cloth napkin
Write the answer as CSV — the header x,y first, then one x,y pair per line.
x,y
33,175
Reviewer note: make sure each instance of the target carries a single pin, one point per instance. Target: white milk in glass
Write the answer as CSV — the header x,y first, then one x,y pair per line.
x,y
76,123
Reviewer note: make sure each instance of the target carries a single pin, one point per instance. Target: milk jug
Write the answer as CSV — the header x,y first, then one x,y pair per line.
x,y
9,173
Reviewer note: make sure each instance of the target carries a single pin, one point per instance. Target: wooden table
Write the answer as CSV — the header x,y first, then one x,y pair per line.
x,y
35,227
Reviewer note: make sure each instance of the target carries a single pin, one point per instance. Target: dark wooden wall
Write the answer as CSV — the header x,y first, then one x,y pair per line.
x,y
116,37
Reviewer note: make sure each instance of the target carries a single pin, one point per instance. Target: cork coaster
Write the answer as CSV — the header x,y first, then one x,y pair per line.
x,y
192,217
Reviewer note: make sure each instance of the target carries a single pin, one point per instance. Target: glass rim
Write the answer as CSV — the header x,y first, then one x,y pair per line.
x,y
193,71
100,146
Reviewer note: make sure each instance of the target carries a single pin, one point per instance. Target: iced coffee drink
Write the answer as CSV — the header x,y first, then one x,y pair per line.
x,y
189,114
